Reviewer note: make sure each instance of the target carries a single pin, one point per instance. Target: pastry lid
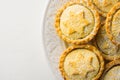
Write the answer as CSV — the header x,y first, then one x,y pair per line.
x,y
73,25
112,71
81,62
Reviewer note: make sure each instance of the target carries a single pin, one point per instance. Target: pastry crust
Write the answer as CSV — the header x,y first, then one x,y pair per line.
x,y
88,37
109,22
109,50
102,6
89,47
109,66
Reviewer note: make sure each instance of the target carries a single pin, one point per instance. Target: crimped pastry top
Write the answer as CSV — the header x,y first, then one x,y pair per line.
x,y
76,22
115,27
104,6
113,24
110,50
81,64
113,73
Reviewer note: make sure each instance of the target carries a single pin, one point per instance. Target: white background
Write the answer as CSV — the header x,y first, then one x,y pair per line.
x,y
21,50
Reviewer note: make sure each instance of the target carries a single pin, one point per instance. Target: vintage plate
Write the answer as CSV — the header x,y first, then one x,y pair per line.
x,y
53,45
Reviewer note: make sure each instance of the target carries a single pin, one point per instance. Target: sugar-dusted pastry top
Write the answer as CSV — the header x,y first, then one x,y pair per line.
x,y
115,26
76,22
110,50
113,74
81,64
104,6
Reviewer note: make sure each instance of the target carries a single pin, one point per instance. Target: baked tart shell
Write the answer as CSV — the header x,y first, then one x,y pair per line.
x,y
85,39
108,23
89,47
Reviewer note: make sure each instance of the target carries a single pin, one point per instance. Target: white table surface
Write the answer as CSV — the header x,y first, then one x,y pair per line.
x,y
21,50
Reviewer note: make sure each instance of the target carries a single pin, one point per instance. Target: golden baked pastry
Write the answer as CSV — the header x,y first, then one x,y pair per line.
x,y
104,6
112,71
109,50
77,23
113,24
82,62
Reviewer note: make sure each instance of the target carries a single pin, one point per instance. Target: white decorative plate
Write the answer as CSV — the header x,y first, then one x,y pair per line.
x,y
53,45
